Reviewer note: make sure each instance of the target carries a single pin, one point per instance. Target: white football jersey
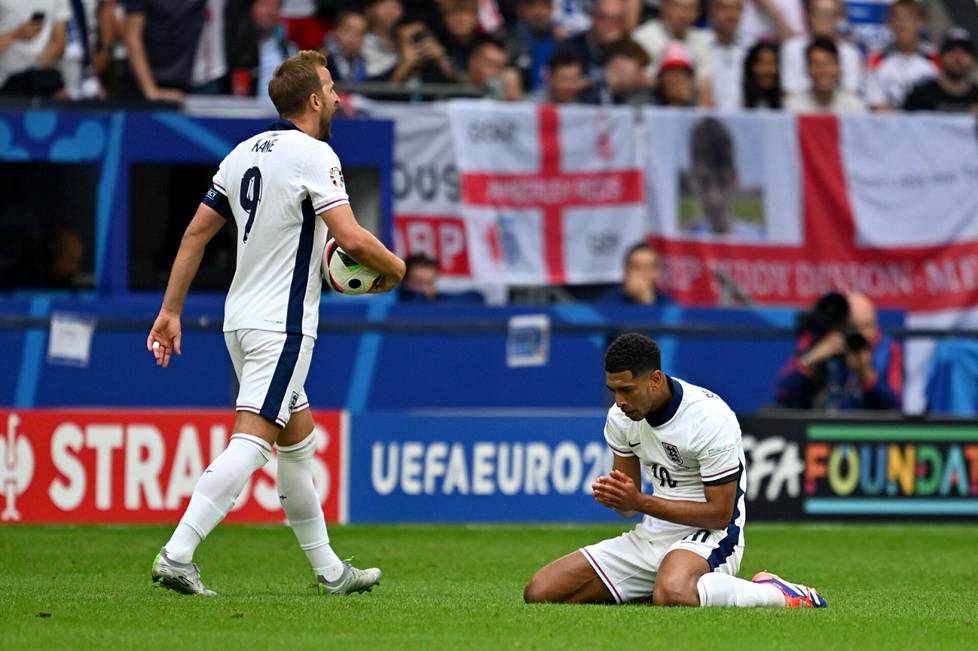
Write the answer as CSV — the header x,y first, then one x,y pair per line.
x,y
275,185
693,442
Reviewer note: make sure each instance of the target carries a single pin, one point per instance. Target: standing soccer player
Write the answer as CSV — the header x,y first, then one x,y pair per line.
x,y
283,188
687,550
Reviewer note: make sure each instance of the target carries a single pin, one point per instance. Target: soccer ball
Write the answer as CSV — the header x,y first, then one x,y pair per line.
x,y
346,275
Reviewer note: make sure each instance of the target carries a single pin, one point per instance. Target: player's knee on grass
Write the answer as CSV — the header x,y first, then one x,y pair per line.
x,y
538,590
675,591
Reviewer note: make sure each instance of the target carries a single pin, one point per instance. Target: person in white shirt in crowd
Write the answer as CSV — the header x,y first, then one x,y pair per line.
x,y
825,95
32,40
908,60
771,20
379,44
210,76
824,17
727,54
677,24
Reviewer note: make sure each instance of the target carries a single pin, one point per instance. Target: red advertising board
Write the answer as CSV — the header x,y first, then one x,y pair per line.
x,y
123,466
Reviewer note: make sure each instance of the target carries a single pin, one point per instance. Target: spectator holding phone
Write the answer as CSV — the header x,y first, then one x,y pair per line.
x,y
421,58
32,41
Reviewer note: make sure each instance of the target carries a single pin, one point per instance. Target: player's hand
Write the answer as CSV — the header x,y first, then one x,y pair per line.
x,y
383,284
164,337
616,491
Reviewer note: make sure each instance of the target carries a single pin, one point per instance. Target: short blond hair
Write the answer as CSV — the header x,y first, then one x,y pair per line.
x,y
294,80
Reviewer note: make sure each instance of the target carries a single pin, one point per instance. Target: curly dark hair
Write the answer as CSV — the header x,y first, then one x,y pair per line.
x,y
632,352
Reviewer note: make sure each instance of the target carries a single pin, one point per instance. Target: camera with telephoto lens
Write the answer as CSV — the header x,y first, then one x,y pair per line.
x,y
831,314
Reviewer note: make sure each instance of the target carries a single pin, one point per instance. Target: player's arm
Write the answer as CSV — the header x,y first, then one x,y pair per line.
x,y
620,492
164,337
363,246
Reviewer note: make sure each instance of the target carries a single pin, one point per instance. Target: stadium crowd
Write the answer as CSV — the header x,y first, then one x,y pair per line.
x,y
801,55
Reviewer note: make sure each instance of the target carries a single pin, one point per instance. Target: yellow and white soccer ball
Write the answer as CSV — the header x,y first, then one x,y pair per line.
x,y
346,275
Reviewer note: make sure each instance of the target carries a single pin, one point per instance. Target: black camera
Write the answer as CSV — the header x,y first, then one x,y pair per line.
x,y
420,37
855,342
831,314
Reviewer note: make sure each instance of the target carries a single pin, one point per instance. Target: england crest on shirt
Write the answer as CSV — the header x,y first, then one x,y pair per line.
x,y
673,453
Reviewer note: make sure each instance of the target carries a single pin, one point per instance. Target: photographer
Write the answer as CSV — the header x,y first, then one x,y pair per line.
x,y
842,361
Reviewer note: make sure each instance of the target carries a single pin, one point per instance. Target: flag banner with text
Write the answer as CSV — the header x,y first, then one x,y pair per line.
x,y
789,208
549,195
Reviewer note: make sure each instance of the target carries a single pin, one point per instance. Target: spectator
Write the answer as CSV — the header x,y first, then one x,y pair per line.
x,y
420,284
905,63
727,54
640,285
256,44
532,41
842,361
421,58
344,46
762,77
379,44
953,91
771,20
564,79
824,17
676,24
487,67
161,37
625,78
590,47
420,278
676,81
32,40
210,75
824,96
459,32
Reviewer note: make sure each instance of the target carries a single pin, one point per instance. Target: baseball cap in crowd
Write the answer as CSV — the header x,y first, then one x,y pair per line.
x,y
676,55
958,38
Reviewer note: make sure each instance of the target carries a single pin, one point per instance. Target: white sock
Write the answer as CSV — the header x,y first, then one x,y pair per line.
x,y
215,493
717,589
300,501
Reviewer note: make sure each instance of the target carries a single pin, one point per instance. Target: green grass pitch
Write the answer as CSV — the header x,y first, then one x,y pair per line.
x,y
457,587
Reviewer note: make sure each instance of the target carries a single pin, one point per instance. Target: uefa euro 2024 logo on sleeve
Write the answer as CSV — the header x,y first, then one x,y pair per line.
x,y
16,468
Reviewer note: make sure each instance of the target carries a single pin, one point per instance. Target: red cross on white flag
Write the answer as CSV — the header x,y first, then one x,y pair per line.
x,y
549,195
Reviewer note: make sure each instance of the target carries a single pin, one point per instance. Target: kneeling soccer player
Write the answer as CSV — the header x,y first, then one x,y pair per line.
x,y
687,549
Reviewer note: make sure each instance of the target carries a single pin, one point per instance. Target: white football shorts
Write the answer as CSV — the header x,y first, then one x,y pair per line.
x,y
271,368
627,565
